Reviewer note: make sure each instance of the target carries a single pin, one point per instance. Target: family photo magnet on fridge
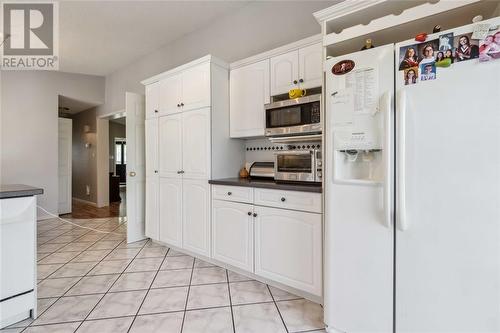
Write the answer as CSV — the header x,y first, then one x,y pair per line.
x,y
427,51
410,76
408,57
343,67
465,47
427,71
489,47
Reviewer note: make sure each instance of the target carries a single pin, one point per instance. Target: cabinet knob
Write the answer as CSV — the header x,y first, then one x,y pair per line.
x,y
156,171
179,105
182,104
229,193
180,172
156,111
283,199
301,80
254,214
294,81
249,213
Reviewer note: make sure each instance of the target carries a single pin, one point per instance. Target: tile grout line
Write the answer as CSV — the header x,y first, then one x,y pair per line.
x,y
58,298
104,295
277,308
187,296
230,302
147,292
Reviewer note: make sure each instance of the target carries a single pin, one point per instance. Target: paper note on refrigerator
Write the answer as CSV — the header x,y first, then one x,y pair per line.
x,y
364,84
342,106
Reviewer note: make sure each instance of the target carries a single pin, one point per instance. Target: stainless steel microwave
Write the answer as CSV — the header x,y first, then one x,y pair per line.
x,y
299,116
298,165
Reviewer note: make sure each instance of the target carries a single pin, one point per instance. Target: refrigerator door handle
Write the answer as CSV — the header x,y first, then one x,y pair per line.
x,y
401,163
387,105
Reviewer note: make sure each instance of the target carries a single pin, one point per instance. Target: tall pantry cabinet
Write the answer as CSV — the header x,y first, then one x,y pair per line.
x,y
187,143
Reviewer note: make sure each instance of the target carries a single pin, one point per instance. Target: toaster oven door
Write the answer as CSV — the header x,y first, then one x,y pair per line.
x,y
294,166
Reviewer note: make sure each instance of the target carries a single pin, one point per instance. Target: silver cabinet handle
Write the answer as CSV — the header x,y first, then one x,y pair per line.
x,y
132,173
180,172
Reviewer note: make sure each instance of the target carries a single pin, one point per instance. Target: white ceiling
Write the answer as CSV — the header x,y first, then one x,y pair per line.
x,y
99,37
74,105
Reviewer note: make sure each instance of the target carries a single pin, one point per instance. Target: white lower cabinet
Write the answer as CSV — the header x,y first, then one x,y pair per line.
x,y
288,247
152,225
196,216
232,233
170,206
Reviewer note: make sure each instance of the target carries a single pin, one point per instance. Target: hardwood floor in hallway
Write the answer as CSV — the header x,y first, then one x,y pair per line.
x,y
82,210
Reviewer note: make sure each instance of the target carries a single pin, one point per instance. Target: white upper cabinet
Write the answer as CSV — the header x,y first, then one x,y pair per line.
x,y
302,68
196,144
170,145
196,87
249,91
311,66
152,100
151,143
284,72
170,94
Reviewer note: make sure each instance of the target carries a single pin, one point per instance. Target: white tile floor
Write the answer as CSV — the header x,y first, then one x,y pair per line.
x,y
95,282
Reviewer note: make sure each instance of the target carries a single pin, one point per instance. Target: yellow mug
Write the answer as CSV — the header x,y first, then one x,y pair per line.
x,y
296,93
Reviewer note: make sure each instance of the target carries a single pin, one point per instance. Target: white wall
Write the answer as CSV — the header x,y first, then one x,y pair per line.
x,y
28,126
257,27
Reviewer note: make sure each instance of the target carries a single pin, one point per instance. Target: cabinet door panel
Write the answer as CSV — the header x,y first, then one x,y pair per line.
x,y
311,66
170,207
196,216
152,226
170,92
288,247
248,92
232,233
196,87
170,145
284,70
151,141
196,144
152,100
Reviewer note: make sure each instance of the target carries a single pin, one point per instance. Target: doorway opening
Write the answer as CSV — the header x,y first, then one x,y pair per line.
x,y
118,164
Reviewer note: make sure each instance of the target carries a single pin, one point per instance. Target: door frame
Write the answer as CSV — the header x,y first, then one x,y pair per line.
x,y
68,122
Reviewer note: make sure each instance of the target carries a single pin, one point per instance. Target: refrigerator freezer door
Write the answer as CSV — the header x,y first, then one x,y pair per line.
x,y
358,233
448,257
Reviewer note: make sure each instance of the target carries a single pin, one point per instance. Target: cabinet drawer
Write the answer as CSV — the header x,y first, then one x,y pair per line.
x,y
306,201
233,193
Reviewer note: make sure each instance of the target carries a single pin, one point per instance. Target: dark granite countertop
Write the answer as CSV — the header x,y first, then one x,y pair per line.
x,y
271,184
18,190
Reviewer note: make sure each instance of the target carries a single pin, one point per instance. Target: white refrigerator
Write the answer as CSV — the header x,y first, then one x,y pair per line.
x,y
412,193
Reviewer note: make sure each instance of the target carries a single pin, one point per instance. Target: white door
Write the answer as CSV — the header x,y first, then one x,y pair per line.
x,y
288,247
284,73
170,208
152,100
311,66
196,216
196,144
248,92
170,145
136,173
232,233
151,141
358,241
448,230
65,164
170,94
196,87
152,229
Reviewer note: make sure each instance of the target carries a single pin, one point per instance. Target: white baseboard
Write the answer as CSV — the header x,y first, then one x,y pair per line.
x,y
85,201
